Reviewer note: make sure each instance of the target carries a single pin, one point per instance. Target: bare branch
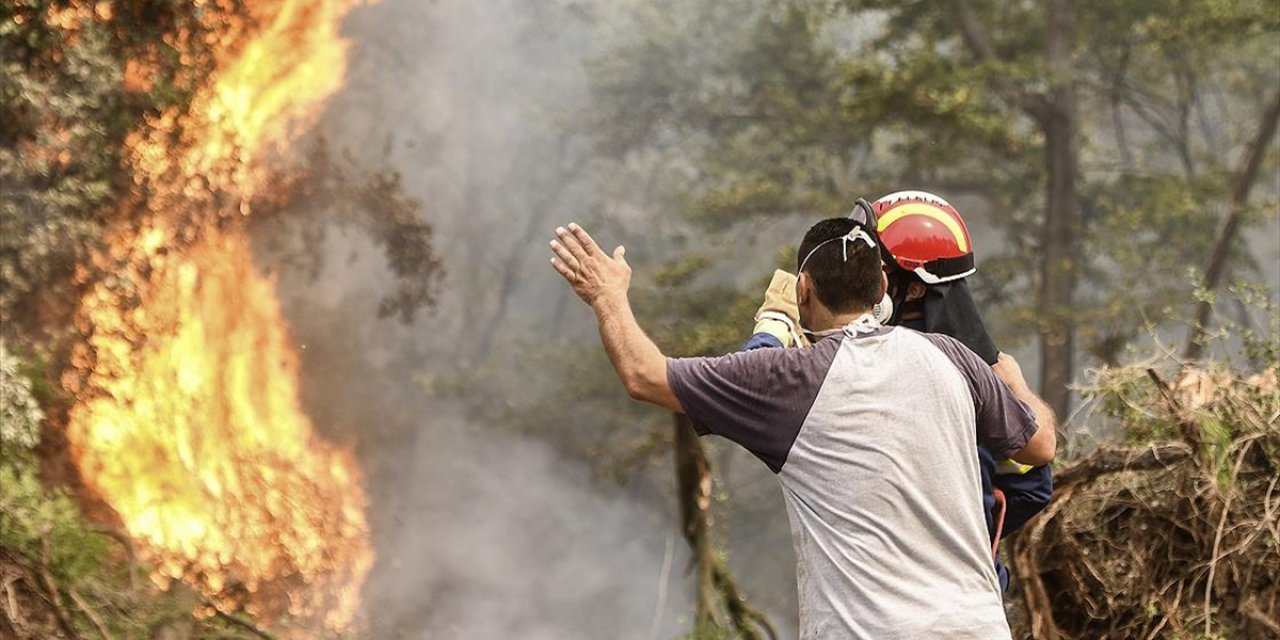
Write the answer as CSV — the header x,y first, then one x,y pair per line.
x,y
88,612
1251,610
243,624
1188,427
1117,107
717,594
1110,460
977,40
1240,188
974,36
55,594
127,543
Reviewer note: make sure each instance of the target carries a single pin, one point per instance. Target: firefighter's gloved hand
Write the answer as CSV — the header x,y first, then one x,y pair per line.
x,y
779,316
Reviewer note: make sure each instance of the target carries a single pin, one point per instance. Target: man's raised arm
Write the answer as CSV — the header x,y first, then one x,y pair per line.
x,y
602,281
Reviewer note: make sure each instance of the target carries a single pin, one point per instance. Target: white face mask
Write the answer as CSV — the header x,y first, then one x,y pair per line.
x,y
883,310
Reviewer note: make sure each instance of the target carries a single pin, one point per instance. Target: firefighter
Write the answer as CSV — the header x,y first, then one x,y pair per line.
x,y
927,253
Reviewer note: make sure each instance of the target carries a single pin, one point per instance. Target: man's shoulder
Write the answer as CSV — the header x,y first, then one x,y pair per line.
x,y
768,364
823,348
959,354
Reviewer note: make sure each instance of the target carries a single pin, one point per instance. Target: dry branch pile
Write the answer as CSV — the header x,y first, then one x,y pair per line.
x,y
1176,539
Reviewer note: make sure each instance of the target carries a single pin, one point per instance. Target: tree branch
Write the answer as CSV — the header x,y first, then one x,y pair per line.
x,y
1026,552
746,618
88,612
1110,460
693,484
716,593
1188,427
1117,106
127,543
1230,226
974,36
978,42
242,623
1255,613
55,594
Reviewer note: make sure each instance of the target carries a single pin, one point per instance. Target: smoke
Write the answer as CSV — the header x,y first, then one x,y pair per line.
x,y
481,531
501,538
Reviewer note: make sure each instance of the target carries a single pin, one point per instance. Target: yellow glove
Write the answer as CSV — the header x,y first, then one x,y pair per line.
x,y
779,316
1012,468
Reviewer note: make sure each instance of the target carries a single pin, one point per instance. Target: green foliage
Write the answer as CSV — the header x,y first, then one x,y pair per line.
x,y
42,531
76,78
1261,341
67,106
799,107
57,161
1221,407
20,415
34,517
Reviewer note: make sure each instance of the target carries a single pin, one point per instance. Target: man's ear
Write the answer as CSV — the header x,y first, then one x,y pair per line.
x,y
803,289
884,286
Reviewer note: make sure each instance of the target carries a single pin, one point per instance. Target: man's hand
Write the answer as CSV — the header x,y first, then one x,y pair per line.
x,y
602,282
594,276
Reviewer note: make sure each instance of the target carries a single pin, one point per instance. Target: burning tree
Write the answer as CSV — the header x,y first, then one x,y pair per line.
x,y
181,402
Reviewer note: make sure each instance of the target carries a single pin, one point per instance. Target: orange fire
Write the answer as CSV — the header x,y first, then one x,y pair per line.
x,y
189,422
200,445
258,101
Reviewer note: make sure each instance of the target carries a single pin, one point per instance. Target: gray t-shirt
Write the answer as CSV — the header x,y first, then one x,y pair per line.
x,y
873,437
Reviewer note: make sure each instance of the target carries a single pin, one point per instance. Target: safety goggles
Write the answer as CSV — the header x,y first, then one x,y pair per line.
x,y
865,216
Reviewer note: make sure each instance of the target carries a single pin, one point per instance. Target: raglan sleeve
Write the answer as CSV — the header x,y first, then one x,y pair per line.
x,y
758,399
1005,423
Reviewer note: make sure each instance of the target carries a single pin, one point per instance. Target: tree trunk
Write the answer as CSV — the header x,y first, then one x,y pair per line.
x,y
693,484
1060,232
1215,266
1054,112
718,605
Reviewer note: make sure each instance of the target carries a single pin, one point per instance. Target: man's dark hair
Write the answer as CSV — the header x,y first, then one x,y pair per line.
x,y
843,286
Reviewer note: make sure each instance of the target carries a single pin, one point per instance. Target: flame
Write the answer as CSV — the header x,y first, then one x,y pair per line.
x,y
199,443
189,422
258,102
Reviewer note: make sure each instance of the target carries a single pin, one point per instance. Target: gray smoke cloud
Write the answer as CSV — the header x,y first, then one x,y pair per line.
x,y
481,531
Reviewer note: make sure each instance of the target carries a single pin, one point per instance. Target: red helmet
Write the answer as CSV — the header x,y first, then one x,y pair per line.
x,y
924,235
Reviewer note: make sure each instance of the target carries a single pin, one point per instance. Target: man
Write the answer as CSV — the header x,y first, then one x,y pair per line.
x,y
870,432
927,255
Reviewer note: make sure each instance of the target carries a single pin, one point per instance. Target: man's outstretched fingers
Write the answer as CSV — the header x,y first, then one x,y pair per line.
x,y
563,253
571,243
584,238
563,270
